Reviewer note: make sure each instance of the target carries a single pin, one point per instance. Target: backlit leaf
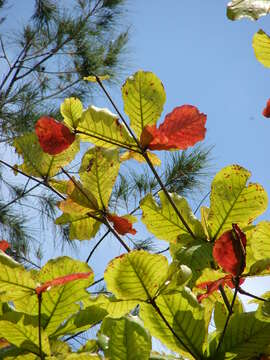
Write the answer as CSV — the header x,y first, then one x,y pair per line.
x,y
54,137
94,79
155,160
266,110
260,240
184,315
121,224
62,301
232,201
4,245
21,330
144,97
137,275
162,221
98,172
183,127
71,110
128,339
102,128
230,251
81,227
261,46
37,162
238,9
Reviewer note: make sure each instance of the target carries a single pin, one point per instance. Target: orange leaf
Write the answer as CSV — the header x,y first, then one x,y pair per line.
x,y
4,245
54,137
229,251
183,127
266,110
121,225
212,286
61,281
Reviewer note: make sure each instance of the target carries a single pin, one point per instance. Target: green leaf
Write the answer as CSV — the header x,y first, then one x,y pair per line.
x,y
246,337
15,282
37,162
14,353
81,227
261,46
21,330
162,221
137,275
144,97
234,202
114,307
62,301
128,339
98,172
238,9
184,315
81,321
102,128
260,240
71,110
178,276
197,257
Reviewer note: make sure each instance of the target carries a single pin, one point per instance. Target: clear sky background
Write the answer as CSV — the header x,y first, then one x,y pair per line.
x,y
205,60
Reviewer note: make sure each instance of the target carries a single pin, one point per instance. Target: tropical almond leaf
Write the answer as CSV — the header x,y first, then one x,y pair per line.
x,y
266,110
260,240
144,97
128,339
98,172
37,162
155,160
261,46
162,221
183,127
137,275
102,128
53,136
94,78
121,224
238,9
4,245
62,301
184,315
71,110
81,226
230,251
232,201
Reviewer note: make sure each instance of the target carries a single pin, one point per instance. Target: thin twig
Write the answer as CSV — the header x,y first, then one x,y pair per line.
x,y
244,292
97,244
19,197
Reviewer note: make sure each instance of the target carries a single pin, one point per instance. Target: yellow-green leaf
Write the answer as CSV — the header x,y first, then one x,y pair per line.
x,y
260,240
94,79
137,275
184,315
102,128
81,227
155,160
38,163
128,339
98,172
233,201
261,46
144,97
71,110
163,222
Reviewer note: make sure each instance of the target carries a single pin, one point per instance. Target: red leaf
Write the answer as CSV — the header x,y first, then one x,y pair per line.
x,y
183,127
121,225
4,245
61,281
229,251
266,110
54,137
212,286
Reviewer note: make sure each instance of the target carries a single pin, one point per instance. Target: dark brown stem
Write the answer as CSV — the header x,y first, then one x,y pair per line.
x,y
111,229
97,244
237,279
244,292
225,299
156,307
39,326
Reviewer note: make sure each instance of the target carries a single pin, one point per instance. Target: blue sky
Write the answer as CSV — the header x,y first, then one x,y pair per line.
x,y
206,60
